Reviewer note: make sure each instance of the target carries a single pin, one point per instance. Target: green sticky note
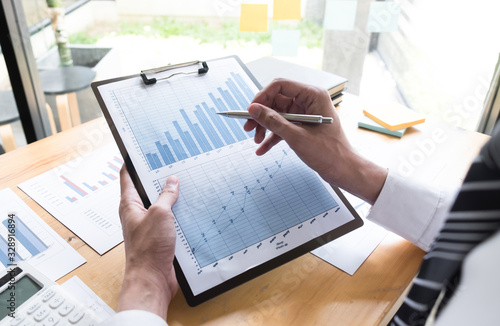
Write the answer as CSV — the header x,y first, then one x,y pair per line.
x,y
340,15
367,123
285,42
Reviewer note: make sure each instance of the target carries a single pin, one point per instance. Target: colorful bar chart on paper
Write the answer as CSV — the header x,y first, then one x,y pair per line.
x,y
84,195
108,174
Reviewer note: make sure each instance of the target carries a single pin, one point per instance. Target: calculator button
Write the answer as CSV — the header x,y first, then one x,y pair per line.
x,y
47,295
33,308
27,323
52,320
56,301
17,321
65,309
76,316
88,321
41,314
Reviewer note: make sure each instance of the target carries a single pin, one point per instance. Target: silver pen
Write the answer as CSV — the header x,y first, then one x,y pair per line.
x,y
307,118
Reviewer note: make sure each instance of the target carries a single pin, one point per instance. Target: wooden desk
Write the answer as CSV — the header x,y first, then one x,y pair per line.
x,y
306,291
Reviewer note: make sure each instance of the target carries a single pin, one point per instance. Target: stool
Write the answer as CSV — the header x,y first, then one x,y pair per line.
x,y
64,82
8,115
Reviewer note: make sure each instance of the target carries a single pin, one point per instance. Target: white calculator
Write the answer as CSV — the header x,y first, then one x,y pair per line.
x,y
29,298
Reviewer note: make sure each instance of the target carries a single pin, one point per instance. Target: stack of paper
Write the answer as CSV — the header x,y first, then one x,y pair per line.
x,y
390,118
368,123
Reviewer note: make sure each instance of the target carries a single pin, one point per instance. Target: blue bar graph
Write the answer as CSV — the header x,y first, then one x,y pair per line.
x,y
198,134
186,138
177,146
4,253
248,92
237,131
212,134
163,153
232,104
237,94
157,160
151,162
217,120
198,129
27,238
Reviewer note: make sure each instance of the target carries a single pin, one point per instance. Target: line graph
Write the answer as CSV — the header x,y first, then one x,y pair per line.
x,y
236,210
235,202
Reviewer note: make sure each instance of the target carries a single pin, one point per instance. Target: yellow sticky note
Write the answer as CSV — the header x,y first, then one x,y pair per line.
x,y
286,9
394,116
253,18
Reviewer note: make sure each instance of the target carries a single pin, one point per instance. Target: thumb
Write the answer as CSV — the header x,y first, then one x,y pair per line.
x,y
170,192
272,120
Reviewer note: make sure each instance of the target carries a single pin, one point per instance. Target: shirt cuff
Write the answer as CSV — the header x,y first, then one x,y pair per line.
x,y
133,318
412,210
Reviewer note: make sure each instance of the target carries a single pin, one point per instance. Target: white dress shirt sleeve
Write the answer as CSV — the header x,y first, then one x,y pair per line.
x,y
134,318
412,210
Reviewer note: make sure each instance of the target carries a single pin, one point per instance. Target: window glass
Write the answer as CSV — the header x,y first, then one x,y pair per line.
x,y
425,54
11,131
442,57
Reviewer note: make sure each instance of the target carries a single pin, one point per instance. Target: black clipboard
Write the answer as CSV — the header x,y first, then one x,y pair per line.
x,y
199,69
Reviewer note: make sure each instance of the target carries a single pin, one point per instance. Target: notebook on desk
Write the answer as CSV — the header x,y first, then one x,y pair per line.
x,y
266,69
238,215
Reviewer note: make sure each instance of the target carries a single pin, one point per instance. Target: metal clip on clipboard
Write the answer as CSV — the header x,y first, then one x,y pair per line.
x,y
152,80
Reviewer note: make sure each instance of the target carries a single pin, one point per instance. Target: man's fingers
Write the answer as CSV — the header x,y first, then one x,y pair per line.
x,y
128,191
272,120
270,141
170,192
250,125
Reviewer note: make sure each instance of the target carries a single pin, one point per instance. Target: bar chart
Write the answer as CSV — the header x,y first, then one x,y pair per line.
x,y
108,174
84,195
26,237
33,239
235,210
186,129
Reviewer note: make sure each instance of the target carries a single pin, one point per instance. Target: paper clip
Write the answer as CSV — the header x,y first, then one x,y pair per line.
x,y
152,80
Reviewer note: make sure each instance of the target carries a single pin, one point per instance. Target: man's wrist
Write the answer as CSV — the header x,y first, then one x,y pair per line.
x,y
360,177
144,289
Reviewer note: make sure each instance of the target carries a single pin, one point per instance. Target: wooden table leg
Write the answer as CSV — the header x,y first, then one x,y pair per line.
x,y
73,107
7,135
63,111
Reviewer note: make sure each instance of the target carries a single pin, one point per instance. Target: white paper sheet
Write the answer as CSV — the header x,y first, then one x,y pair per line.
x,y
85,296
84,195
34,240
235,210
351,250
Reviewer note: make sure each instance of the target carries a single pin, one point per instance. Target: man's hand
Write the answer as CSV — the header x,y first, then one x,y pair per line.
x,y
322,147
149,235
